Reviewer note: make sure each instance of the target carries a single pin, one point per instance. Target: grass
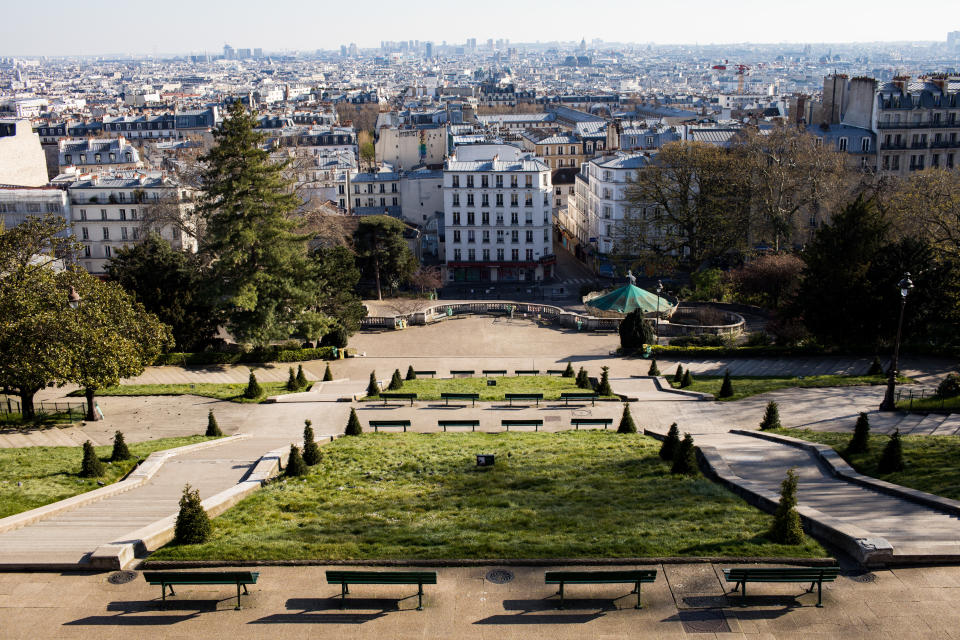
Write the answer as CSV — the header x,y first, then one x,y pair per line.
x,y
930,461
930,403
430,388
550,495
745,386
41,419
222,391
49,474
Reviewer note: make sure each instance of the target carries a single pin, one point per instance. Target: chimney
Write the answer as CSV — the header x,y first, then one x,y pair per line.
x,y
901,82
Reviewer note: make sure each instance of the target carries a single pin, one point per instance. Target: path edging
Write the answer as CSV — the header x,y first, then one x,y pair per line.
x,y
664,386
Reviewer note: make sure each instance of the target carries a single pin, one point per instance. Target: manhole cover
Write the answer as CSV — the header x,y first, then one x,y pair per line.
x,y
707,621
551,418
499,576
863,577
122,577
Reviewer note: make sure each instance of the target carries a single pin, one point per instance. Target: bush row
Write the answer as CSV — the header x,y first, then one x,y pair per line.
x,y
272,354
743,352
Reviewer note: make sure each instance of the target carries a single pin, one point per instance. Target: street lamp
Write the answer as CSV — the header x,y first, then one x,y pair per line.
x,y
889,403
73,299
657,318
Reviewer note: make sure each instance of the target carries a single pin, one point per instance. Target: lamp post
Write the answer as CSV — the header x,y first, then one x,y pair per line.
x,y
74,301
657,318
889,402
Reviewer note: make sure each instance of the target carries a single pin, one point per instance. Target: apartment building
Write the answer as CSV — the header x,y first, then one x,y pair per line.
x,y
98,154
22,161
918,124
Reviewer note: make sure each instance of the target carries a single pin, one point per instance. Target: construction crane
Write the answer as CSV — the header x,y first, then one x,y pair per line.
x,y
742,70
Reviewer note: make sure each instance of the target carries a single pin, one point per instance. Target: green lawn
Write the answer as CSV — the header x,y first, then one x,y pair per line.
x,y
550,495
41,419
931,461
744,386
550,386
929,403
222,391
49,474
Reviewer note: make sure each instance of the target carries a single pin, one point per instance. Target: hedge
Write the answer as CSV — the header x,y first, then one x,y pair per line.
x,y
742,352
257,355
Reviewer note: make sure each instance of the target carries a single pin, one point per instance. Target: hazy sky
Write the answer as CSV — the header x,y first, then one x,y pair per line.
x,y
57,27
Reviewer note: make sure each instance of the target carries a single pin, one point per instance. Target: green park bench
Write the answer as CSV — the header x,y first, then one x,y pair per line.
x,y
494,372
169,578
816,576
398,396
527,372
578,422
635,576
510,397
555,372
536,424
473,424
432,374
472,397
462,372
346,578
567,397
382,424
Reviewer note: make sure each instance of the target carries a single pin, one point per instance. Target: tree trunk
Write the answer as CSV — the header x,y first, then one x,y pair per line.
x,y
92,415
27,411
376,275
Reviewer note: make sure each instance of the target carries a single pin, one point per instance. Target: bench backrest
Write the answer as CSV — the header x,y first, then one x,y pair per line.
x,y
458,423
390,423
491,372
200,577
462,372
382,577
800,574
599,577
527,372
425,373
574,394
468,396
521,423
591,420
523,396
405,396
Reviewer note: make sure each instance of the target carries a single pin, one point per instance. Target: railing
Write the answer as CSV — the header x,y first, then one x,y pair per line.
x,y
10,405
918,125
909,395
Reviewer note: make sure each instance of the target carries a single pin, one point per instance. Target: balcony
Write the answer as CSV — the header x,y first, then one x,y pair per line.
x,y
919,125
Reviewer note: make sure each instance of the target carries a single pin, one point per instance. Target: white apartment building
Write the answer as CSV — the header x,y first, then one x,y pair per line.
x,y
498,217
18,203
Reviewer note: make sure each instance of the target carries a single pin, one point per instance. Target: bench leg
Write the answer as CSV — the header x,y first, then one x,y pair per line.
x,y
343,594
420,597
639,603
405,426
237,608
561,596
820,593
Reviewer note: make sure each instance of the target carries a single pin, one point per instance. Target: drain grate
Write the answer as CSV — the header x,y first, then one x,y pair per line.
x,y
499,576
704,621
865,576
122,577
551,418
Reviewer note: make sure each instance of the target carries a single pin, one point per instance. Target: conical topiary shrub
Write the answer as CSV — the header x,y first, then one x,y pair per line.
x,y
396,382
291,380
583,381
302,381
876,369
726,387
687,379
678,376
603,389
787,528
373,389
861,435
91,467
685,460
891,460
668,450
771,418
327,374
120,450
193,523
626,421
213,429
654,370
295,465
253,390
353,424
311,450
411,374
568,372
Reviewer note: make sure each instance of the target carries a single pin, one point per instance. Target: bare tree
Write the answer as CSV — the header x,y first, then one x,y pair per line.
x,y
427,278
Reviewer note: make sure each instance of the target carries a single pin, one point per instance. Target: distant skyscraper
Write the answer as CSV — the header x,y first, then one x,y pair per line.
x,y
428,50
953,42
228,52
258,53
343,51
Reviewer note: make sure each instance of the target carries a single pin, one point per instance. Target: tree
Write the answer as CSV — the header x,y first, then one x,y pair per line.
x,y
654,370
311,450
213,429
603,389
367,151
927,205
768,281
335,274
670,445
301,378
296,467
583,381
891,459
373,388
120,449
876,367
383,253
291,380
687,379
726,387
427,279
396,382
685,459
787,528
257,267
336,337
568,372
678,376
170,284
353,424
90,466
626,421
635,331
193,524
253,390
861,435
327,374
771,417
411,374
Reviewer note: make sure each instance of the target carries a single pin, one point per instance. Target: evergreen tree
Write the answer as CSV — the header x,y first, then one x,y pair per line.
x,y
327,374
626,421
373,389
726,388
678,376
411,374
568,372
876,368
295,465
687,379
787,528
291,380
603,389
382,251
685,460
253,390
311,450
120,450
396,382
654,370
891,459
353,424
861,435
213,429
634,331
668,450
771,418
91,467
193,523
301,378
583,380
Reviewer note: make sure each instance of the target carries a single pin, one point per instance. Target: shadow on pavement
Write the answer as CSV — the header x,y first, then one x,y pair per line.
x,y
317,618
121,620
553,604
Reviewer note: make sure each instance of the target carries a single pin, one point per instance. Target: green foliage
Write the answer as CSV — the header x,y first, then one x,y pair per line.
x,y
876,368
726,387
259,355
861,435
296,466
568,372
292,380
746,386
635,331
687,379
353,424
327,374
193,524
771,417
336,337
670,444
603,388
90,467
678,376
708,285
626,421
396,381
892,458
382,252
411,374
120,449
685,459
583,380
336,275
373,389
787,528
253,390
213,429
301,378
949,387
654,370
311,450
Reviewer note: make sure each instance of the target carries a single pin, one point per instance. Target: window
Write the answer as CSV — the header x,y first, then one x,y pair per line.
x,y
123,233
486,236
456,181
356,188
456,217
469,181
529,236
529,218
499,218
356,202
84,233
500,255
456,199
393,187
546,235
96,158
456,254
107,252
895,163
103,214
485,217
484,181
123,214
514,236
68,158
950,159
515,254
513,181
499,182
842,144
499,236
935,160
469,199
370,202
514,217
382,188
528,181
529,255
83,214
106,233
369,188
456,235
86,251
499,199
383,202
394,201
606,211
528,200
136,233
514,200
471,236
471,254
470,218
486,255
865,145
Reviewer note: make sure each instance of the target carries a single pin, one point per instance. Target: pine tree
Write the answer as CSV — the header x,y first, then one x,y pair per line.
x,y
876,369
687,379
626,421
311,450
193,523
295,465
327,374
787,528
411,374
213,429
678,376
291,380
685,460
654,370
120,450
891,459
603,389
353,424
583,380
253,390
668,450
568,372
302,381
396,382
861,435
771,418
373,389
726,388
91,467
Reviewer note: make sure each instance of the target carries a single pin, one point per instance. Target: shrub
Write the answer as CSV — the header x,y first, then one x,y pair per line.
x,y
373,389
353,424
193,523
708,340
787,528
266,354
327,374
311,450
861,435
771,418
583,381
296,467
120,450
668,450
687,379
253,390
396,382
291,380
949,387
635,331
626,421
568,372
892,457
603,389
654,370
411,374
91,467
336,337
213,429
759,339
685,460
726,388
301,378
876,369
678,376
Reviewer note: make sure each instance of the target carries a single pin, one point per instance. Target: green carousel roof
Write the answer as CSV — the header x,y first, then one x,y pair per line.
x,y
627,298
